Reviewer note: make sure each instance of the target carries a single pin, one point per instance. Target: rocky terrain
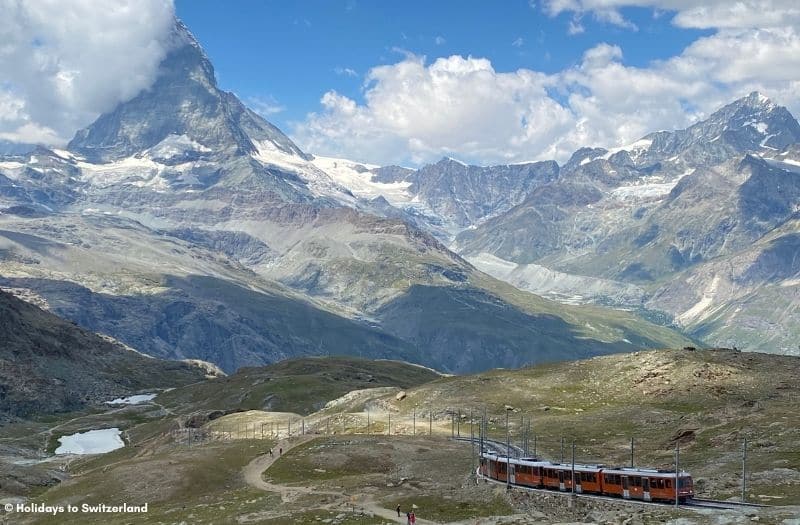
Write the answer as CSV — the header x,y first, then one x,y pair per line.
x,y
48,365
683,223
680,226
219,470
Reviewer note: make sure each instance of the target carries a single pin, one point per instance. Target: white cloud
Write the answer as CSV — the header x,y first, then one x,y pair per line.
x,y
64,63
706,14
575,27
414,111
518,42
439,40
265,106
345,71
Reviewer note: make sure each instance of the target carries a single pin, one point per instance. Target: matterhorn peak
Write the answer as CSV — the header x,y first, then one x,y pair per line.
x,y
183,106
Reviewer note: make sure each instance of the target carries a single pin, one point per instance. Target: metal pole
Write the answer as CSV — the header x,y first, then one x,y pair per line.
x,y
471,433
368,422
304,427
430,422
677,470
415,422
482,433
289,427
472,441
573,467
744,470
562,449
508,454
631,452
528,438
389,428
534,445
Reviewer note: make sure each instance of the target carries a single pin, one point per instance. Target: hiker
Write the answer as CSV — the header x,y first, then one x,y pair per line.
x,y
413,518
280,451
408,518
398,511
271,454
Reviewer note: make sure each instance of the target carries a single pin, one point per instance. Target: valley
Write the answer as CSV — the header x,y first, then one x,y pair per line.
x,y
362,442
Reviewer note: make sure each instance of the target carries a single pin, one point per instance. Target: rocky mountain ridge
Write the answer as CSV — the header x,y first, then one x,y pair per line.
x,y
187,226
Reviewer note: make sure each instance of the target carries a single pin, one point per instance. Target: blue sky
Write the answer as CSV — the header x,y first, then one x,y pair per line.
x,y
408,81
286,55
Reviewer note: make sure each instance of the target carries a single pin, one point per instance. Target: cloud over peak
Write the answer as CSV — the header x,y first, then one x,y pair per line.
x,y
415,111
64,63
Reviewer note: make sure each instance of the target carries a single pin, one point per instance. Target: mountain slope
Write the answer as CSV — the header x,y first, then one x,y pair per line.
x,y
50,365
302,385
638,226
187,226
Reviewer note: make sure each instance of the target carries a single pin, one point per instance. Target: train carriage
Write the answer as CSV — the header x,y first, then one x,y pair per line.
x,y
559,477
647,484
627,483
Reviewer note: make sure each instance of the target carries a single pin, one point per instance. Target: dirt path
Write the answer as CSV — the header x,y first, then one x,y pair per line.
x,y
253,474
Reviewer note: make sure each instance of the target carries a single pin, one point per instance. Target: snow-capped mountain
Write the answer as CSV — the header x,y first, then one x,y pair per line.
x,y
657,215
637,226
185,225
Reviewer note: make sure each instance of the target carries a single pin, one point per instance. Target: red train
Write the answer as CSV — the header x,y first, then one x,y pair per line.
x,y
627,483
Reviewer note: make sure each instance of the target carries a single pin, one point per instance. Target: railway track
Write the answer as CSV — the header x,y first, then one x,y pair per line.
x,y
719,504
692,504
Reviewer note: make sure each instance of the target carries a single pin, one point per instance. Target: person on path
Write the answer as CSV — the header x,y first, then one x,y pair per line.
x,y
413,518
408,518
398,511
271,454
280,451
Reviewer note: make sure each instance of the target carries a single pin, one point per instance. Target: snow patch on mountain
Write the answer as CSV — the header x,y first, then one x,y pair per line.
x,y
700,310
135,171
319,182
785,164
647,188
11,169
559,286
176,146
358,178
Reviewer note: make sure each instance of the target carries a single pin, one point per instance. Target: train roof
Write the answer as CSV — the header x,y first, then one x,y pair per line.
x,y
533,462
625,471
651,473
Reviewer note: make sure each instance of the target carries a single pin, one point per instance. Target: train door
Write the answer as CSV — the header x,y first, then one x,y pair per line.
x,y
626,490
578,487
511,475
646,489
561,485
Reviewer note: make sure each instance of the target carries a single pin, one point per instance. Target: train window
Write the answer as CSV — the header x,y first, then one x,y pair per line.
x,y
661,483
668,483
636,481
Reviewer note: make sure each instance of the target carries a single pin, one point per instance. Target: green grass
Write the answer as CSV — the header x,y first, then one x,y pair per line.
x,y
449,509
174,480
303,464
301,386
